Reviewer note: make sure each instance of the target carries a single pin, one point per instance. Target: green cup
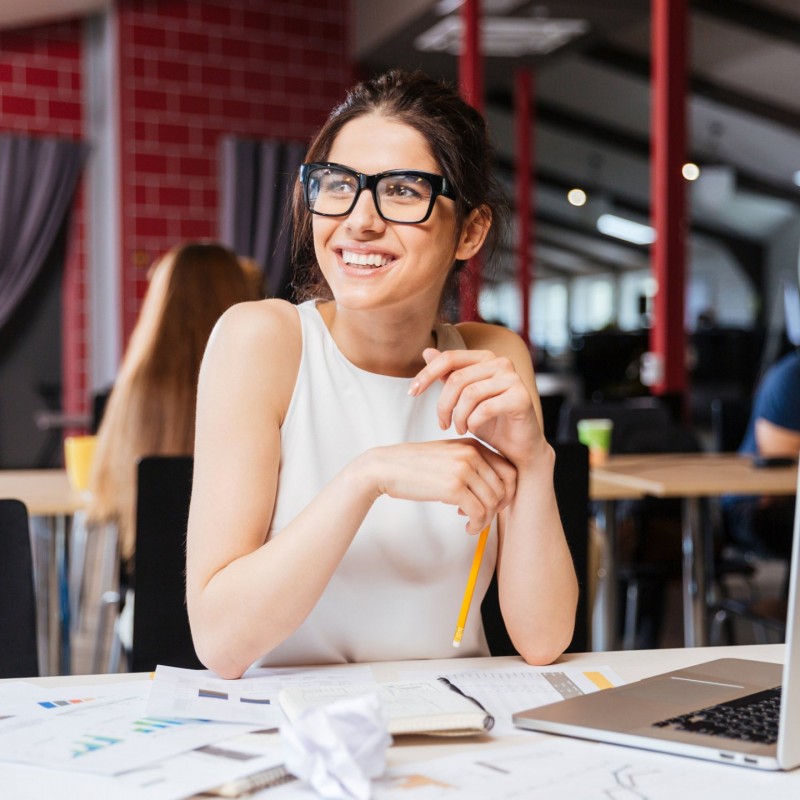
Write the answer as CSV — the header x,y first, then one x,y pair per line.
x,y
596,435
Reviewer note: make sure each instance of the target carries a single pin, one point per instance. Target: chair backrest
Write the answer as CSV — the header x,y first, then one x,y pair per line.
x,y
551,410
571,481
18,655
729,420
161,633
630,417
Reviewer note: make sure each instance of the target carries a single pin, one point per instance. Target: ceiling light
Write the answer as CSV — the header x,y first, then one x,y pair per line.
x,y
576,197
625,229
690,171
510,37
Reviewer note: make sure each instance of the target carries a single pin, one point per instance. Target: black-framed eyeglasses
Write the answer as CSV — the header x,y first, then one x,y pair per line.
x,y
400,195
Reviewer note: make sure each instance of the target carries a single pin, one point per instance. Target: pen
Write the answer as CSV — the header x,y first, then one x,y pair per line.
x,y
473,577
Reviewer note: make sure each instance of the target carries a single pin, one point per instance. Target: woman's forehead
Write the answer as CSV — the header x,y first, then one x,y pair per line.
x,y
375,143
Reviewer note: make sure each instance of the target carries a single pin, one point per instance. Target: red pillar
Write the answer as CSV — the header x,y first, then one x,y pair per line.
x,y
668,199
470,69
525,177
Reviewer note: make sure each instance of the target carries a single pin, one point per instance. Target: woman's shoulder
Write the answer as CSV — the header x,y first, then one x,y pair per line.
x,y
262,332
500,341
485,336
272,323
255,349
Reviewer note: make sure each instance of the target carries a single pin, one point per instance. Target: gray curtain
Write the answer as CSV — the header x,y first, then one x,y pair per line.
x,y
38,177
256,180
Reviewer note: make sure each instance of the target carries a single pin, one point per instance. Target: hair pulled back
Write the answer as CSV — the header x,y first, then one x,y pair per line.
x,y
455,132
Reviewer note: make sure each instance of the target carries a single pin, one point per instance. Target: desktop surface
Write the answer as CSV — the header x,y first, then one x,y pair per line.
x,y
419,754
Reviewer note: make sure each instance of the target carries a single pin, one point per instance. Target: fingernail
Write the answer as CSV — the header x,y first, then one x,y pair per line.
x,y
414,389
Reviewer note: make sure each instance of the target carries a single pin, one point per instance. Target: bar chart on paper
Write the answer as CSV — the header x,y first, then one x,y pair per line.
x,y
106,736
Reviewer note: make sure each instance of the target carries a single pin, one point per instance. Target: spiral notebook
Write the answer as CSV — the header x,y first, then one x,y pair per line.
x,y
413,707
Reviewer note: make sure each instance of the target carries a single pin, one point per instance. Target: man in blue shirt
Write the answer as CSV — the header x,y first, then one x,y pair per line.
x,y
764,524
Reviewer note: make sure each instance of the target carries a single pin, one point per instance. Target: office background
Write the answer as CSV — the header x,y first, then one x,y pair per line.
x,y
151,88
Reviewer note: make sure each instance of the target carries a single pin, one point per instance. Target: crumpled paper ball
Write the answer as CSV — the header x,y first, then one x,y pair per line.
x,y
338,748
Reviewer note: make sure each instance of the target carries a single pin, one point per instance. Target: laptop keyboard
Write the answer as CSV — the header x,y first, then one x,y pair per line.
x,y
753,718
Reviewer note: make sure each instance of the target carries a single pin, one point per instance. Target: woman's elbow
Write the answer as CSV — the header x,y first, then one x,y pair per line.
x,y
542,653
217,657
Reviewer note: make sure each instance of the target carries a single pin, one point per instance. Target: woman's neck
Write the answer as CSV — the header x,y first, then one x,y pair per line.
x,y
383,343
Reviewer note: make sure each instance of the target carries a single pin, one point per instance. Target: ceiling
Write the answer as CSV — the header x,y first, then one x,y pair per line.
x,y
592,117
592,113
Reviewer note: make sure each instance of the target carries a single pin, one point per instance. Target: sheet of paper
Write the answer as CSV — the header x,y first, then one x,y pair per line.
x,y
556,768
106,735
252,699
172,779
504,691
21,701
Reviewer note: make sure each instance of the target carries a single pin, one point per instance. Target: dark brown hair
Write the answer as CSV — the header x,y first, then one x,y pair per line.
x,y
455,132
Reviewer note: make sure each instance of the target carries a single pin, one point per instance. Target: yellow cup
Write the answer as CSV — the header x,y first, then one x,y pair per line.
x,y
78,457
596,435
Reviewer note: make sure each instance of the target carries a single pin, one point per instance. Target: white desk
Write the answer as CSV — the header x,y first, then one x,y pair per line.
x,y
631,665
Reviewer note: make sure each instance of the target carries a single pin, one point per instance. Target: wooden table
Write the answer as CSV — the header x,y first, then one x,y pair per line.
x,y
691,476
47,494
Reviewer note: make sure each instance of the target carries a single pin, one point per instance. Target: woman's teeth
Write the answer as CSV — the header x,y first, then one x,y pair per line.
x,y
365,259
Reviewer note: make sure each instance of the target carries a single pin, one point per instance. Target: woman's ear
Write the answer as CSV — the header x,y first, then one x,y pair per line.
x,y
473,233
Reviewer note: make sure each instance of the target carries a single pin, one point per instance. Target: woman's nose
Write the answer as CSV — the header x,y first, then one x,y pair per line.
x,y
364,215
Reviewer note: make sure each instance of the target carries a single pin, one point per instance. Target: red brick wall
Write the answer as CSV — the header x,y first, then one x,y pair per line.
x,y
41,86
193,71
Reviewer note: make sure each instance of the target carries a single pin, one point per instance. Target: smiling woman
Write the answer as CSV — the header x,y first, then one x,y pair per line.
x,y
346,444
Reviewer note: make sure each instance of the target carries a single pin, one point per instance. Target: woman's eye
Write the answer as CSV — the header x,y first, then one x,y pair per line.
x,y
403,191
336,185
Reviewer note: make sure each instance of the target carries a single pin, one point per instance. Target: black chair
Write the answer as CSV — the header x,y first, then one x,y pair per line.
x,y
161,633
729,419
18,655
551,410
631,417
571,481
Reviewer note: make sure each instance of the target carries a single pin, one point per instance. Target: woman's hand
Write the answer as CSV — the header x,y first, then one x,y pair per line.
x,y
460,472
484,395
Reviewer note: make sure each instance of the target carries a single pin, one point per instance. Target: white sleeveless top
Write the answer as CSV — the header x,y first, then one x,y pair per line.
x,y
397,592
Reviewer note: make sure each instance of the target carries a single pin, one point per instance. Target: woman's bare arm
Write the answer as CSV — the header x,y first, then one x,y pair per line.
x,y
246,594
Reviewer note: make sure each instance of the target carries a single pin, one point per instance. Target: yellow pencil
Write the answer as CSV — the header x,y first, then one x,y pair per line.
x,y
468,592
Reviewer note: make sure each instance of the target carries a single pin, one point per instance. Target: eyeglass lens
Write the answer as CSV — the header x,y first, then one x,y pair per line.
x,y
400,198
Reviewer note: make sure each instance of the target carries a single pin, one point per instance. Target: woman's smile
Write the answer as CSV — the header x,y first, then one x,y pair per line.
x,y
371,260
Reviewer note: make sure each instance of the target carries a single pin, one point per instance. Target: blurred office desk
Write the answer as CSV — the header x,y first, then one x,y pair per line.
x,y
50,498
691,476
630,665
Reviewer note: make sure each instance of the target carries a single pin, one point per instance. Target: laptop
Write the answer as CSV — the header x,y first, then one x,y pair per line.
x,y
731,710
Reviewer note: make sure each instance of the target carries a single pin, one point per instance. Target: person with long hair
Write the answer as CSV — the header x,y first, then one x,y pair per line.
x,y
151,408
350,448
